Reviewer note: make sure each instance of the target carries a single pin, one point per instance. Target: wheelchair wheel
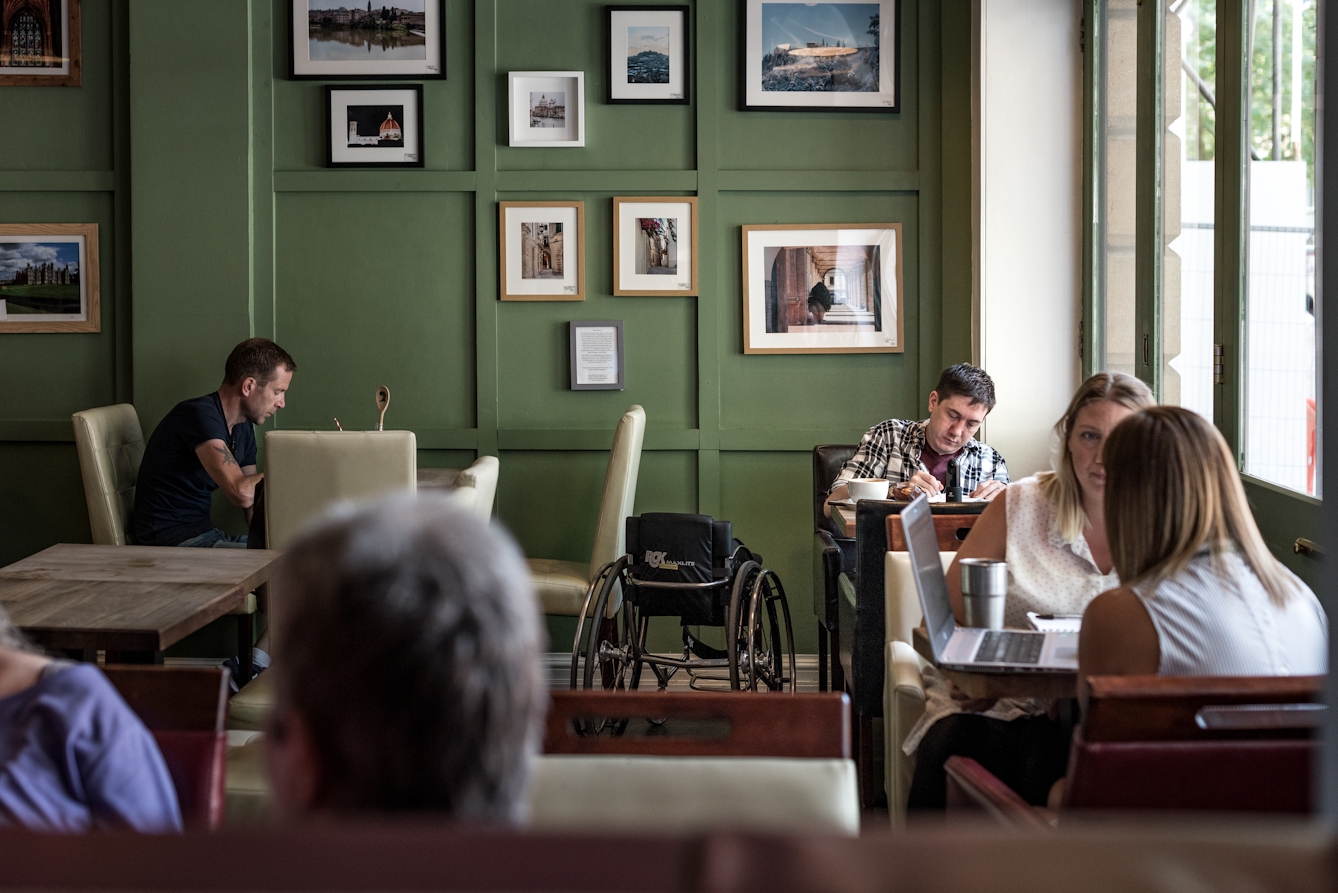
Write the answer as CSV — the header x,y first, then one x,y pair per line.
x,y
765,651
616,643
579,647
735,641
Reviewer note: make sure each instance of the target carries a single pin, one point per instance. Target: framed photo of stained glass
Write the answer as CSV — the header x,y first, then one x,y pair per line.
x,y
655,246
648,54
49,277
821,56
331,41
822,288
40,44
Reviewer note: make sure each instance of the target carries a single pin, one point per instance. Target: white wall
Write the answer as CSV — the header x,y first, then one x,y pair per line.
x,y
1028,84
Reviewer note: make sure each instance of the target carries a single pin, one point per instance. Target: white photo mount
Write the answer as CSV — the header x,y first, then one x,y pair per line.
x,y
543,251
538,100
661,30
655,245
349,65
355,143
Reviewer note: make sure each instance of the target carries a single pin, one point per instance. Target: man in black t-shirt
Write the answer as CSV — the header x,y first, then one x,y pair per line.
x,y
208,443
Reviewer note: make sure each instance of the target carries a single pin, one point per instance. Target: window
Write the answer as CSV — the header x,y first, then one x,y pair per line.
x,y
1120,89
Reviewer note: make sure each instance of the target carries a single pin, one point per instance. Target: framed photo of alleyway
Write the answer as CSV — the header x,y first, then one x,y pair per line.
x,y
655,246
821,56
648,54
40,44
822,288
546,108
331,41
374,126
542,251
49,277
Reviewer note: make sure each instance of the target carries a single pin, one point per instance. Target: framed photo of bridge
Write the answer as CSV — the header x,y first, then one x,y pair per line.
x,y
331,41
49,277
821,56
822,288
40,44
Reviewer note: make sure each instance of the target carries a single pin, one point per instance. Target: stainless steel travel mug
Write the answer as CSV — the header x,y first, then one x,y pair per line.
x,y
984,588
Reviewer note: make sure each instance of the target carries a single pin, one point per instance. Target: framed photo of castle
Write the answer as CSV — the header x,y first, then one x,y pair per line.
x,y
402,39
543,251
648,54
822,288
821,56
655,245
374,126
49,277
40,44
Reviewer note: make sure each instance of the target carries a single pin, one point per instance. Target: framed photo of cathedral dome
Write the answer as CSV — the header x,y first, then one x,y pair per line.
x,y
39,43
374,126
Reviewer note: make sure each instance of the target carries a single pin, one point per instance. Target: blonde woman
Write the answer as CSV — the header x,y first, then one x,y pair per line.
x,y
1051,530
1202,595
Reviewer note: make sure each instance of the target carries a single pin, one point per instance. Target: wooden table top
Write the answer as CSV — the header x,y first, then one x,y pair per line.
x,y
1001,685
129,598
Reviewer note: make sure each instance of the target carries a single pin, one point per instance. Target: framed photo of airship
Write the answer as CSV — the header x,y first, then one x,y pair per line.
x,y
821,56
374,126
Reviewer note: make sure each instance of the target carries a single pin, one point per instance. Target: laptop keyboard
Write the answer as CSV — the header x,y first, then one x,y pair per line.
x,y
1010,648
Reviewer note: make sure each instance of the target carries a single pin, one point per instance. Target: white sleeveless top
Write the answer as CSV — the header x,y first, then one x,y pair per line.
x,y
1046,573
1216,619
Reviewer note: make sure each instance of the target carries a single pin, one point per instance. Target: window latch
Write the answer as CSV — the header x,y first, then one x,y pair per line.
x,y
1217,364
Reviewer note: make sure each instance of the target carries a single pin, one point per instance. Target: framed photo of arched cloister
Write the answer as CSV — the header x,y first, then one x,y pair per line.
x,y
822,288
39,43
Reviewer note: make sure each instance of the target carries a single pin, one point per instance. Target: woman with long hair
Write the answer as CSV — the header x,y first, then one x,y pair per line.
x,y
1051,529
1201,593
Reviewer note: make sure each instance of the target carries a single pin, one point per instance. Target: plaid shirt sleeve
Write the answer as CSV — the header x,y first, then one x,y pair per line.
x,y
883,453
982,463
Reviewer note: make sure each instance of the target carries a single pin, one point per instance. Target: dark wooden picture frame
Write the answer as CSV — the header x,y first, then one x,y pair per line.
x,y
620,357
619,64
412,91
751,60
377,70
23,76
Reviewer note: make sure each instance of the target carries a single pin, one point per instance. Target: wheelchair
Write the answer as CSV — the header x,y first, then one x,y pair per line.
x,y
692,568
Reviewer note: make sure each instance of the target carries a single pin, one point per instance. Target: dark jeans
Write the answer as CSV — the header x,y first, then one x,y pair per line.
x,y
214,539
1028,754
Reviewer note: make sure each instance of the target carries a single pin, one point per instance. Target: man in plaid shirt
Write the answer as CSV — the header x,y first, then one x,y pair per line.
x,y
914,456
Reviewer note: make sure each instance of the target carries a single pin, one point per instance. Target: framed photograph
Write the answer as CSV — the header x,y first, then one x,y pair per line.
x,y
597,355
543,251
821,56
822,288
331,41
655,246
374,126
49,277
648,54
39,44
547,108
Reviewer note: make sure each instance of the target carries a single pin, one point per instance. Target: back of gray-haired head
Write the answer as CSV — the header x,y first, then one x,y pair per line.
x,y
409,639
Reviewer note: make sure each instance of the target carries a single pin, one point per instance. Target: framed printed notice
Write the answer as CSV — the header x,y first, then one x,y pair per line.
x,y
597,355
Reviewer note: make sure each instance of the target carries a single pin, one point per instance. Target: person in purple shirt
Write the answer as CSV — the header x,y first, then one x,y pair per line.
x,y
73,756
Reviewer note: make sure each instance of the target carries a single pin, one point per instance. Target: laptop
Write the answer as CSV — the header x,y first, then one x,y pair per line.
x,y
976,650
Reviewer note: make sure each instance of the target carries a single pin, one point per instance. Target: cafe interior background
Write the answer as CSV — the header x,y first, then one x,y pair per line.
x,y
203,165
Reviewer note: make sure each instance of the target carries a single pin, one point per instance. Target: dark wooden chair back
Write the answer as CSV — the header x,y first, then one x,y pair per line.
x,y
711,724
827,461
1238,744
950,526
183,707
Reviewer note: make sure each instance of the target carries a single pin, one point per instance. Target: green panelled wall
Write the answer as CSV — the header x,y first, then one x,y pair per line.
x,y
204,166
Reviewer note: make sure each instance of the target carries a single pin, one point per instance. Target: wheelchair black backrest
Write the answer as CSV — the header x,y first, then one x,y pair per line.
x,y
668,547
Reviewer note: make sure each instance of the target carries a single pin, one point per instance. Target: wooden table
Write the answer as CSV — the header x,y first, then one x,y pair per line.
x,y
127,598
1001,685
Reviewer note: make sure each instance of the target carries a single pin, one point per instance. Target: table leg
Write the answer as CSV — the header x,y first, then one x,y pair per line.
x,y
245,640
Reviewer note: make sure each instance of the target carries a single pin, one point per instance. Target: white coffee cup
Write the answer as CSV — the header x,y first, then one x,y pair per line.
x,y
867,488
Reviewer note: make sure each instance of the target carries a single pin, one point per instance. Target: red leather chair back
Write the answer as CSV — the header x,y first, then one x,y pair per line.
x,y
197,762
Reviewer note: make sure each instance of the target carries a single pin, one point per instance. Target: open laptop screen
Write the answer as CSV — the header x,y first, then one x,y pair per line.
x,y
922,544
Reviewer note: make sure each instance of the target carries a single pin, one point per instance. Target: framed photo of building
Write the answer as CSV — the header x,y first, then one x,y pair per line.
x,y
655,246
374,126
546,108
49,277
821,56
40,44
822,288
596,355
648,54
543,251
340,40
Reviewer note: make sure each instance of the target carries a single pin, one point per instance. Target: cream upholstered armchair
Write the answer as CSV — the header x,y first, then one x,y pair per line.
x,y
476,486
903,689
110,443
562,585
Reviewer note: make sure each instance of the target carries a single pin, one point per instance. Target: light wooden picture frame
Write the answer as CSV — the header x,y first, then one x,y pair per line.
x,y
51,38
542,252
49,277
823,288
655,245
